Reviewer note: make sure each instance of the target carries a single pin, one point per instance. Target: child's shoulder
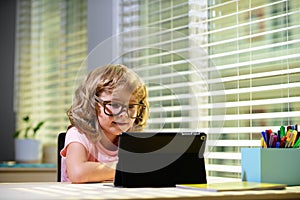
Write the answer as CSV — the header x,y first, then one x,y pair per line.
x,y
73,132
73,129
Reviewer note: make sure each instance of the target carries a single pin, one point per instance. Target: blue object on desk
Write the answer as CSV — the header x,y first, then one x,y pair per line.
x,y
271,165
28,165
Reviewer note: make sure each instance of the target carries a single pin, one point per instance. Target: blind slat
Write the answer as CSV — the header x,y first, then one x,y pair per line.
x,y
52,38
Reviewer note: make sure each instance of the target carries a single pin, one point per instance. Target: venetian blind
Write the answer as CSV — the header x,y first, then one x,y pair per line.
x,y
255,47
51,45
248,82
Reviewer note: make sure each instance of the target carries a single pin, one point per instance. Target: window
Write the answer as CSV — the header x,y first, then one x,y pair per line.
x,y
51,45
247,82
228,68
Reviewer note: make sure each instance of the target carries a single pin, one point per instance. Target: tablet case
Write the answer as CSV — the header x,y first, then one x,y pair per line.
x,y
160,159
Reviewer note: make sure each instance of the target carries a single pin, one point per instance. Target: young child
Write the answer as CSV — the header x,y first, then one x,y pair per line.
x,y
111,100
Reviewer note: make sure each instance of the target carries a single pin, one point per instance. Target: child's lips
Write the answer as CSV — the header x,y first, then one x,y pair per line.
x,y
121,123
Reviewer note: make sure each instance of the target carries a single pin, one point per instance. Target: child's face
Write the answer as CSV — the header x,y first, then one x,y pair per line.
x,y
114,125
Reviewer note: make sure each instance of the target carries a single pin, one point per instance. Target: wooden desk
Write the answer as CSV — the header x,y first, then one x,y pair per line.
x,y
56,190
28,173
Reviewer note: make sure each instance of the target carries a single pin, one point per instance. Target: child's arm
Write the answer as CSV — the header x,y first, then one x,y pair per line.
x,y
80,170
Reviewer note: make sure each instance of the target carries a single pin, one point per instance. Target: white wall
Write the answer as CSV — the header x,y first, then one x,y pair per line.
x,y
102,25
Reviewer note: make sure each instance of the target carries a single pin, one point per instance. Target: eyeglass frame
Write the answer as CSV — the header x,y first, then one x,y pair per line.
x,y
104,103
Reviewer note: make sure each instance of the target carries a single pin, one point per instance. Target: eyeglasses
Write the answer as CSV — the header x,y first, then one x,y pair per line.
x,y
115,109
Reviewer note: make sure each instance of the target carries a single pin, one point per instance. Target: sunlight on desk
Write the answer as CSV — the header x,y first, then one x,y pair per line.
x,y
56,190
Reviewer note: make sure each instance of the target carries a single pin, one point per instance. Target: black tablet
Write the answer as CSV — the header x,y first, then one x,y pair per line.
x,y
161,159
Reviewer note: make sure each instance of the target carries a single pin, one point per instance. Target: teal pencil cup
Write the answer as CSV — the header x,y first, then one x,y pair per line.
x,y
271,165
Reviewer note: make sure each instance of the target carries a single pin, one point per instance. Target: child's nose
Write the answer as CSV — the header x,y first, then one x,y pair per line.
x,y
124,112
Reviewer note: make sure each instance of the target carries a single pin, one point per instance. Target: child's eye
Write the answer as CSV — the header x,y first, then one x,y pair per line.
x,y
130,106
116,105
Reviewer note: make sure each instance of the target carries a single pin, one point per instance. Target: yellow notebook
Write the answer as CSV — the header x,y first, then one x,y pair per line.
x,y
232,186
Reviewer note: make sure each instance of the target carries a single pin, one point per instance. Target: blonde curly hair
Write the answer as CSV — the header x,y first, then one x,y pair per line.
x,y
83,111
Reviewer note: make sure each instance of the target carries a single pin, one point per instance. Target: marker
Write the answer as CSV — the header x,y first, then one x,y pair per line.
x,y
262,142
282,131
274,141
278,135
297,136
264,135
282,141
287,143
294,137
297,143
288,134
268,135
288,128
271,140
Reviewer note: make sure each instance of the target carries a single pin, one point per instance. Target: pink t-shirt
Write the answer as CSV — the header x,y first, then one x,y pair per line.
x,y
96,152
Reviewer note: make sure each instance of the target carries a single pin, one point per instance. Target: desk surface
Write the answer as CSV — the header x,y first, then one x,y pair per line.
x,y
56,190
27,173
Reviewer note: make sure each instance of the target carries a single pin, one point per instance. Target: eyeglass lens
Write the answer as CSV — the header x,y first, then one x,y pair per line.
x,y
114,109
